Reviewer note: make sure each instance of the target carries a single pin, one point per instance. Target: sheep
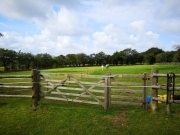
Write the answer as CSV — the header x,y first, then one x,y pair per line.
x,y
102,67
107,66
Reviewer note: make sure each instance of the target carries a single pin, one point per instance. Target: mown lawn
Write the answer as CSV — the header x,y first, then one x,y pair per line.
x,y
96,70
61,118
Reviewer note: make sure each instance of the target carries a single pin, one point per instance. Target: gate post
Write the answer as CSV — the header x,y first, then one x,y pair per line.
x,y
145,90
168,96
107,99
36,87
154,103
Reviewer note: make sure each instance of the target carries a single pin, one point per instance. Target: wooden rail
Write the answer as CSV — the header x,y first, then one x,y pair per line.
x,y
169,87
106,91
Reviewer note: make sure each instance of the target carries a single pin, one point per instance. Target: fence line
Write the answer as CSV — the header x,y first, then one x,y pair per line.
x,y
106,91
169,87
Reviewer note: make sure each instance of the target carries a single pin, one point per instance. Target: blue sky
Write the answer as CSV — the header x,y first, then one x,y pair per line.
x,y
74,26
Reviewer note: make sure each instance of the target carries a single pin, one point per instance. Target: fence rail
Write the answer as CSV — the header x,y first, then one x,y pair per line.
x,y
106,91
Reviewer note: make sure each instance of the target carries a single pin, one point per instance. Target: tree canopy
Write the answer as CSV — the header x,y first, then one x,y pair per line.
x,y
12,60
1,35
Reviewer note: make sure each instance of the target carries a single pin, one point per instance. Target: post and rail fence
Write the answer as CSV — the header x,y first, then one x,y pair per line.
x,y
107,90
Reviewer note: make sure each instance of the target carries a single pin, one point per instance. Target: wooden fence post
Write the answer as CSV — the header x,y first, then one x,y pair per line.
x,y
154,103
168,96
107,99
145,90
36,87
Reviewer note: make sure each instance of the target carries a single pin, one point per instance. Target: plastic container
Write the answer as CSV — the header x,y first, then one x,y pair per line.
x,y
148,99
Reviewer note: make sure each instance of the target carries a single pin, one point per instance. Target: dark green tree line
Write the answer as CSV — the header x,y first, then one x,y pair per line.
x,y
12,60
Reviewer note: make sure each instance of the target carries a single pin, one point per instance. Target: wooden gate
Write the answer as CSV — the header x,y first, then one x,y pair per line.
x,y
69,88
101,90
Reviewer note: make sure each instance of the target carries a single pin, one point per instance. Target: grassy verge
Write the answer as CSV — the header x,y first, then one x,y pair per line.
x,y
17,117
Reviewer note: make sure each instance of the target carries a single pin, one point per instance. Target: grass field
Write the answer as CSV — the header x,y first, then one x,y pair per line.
x,y
135,69
61,118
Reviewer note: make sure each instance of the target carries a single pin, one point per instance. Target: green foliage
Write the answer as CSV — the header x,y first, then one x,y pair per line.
x,y
176,57
7,58
12,60
150,55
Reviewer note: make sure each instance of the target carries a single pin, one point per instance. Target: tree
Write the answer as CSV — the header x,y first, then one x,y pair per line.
x,y
150,55
1,35
91,59
108,59
43,61
177,47
100,58
114,58
81,59
24,60
59,61
164,57
140,58
8,58
176,57
129,56
71,59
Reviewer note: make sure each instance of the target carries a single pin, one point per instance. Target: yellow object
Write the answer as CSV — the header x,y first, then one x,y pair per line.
x,y
162,97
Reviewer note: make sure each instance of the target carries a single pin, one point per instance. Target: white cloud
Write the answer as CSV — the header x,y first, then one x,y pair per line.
x,y
24,9
138,26
89,26
170,26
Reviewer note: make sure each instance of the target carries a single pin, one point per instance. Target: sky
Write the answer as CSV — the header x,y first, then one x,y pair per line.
x,y
60,27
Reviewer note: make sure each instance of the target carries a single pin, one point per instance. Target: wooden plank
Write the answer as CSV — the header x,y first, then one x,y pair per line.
x,y
15,76
71,100
75,95
23,96
126,97
75,89
126,103
55,86
164,100
86,90
90,88
16,87
72,82
17,83
75,75
164,87
129,75
162,75
127,83
126,90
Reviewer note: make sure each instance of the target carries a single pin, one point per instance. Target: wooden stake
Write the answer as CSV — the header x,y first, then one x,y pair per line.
x,y
154,103
107,99
36,87
168,96
145,91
